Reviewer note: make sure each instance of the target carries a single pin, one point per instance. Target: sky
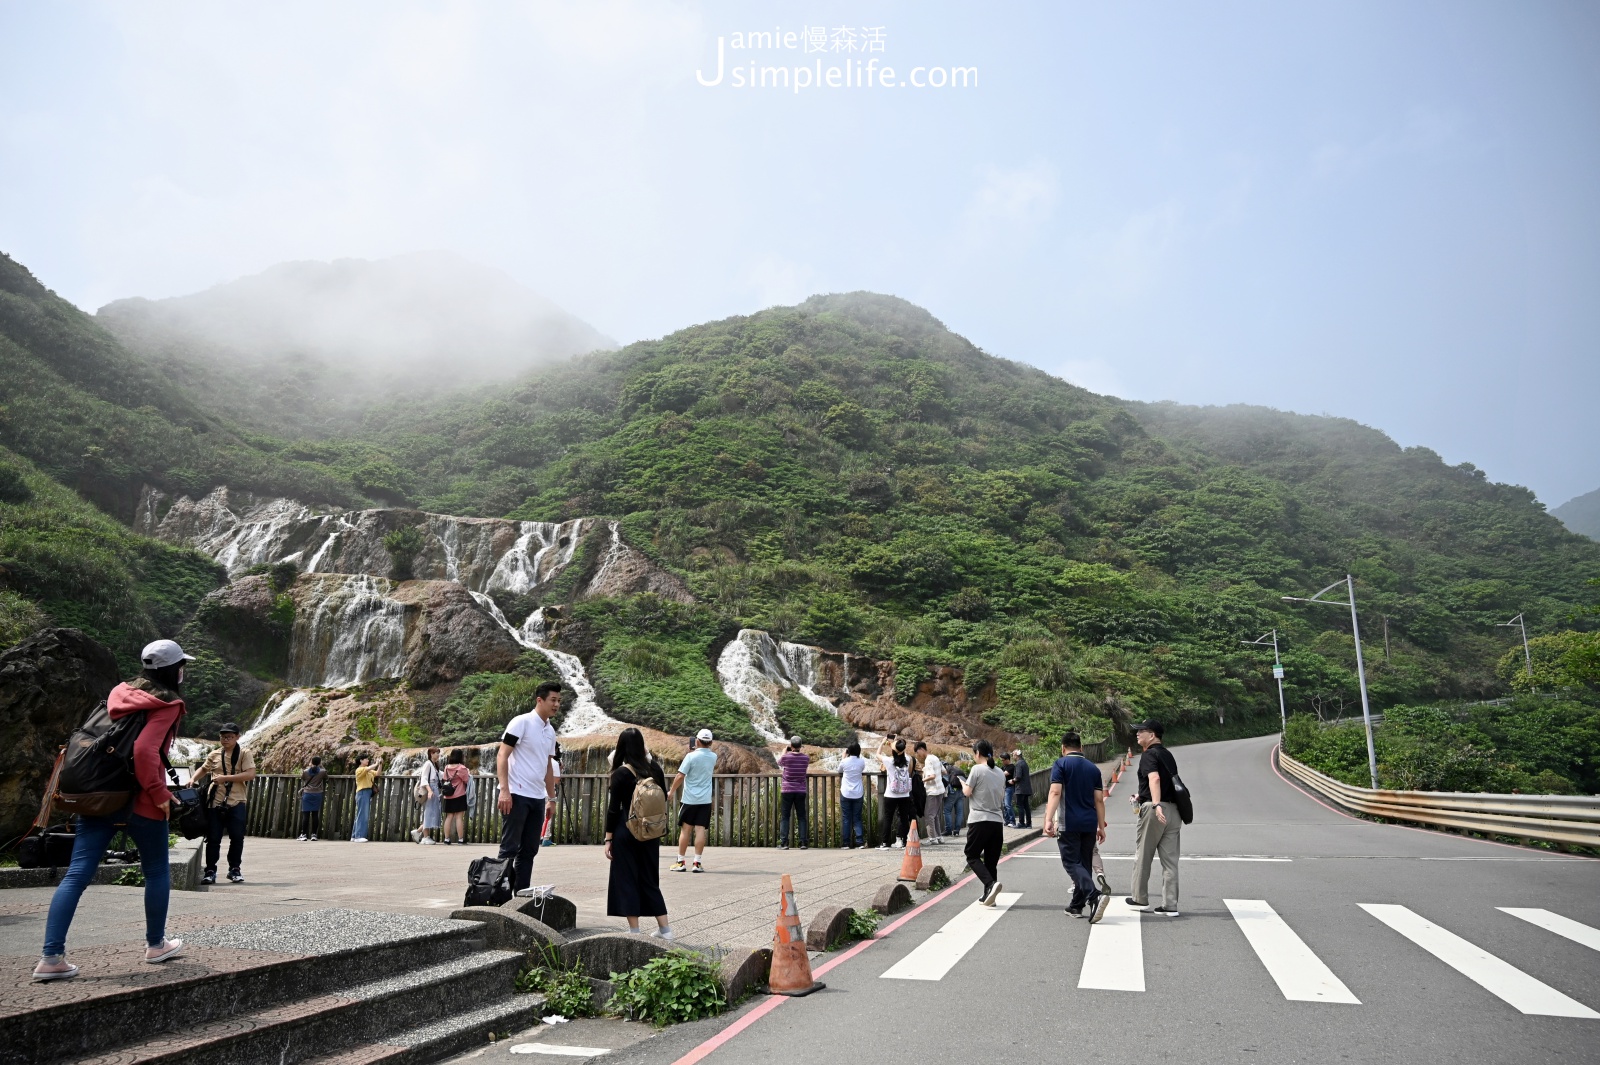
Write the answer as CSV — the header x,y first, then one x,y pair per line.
x,y
1385,211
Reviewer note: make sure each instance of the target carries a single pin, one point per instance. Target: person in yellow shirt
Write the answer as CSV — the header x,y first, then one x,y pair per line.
x,y
366,774
225,778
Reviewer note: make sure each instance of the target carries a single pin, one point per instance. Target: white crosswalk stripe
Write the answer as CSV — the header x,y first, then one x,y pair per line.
x,y
1498,977
938,954
1114,959
1299,973
1561,926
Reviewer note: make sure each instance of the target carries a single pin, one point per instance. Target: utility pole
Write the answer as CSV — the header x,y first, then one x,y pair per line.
x,y
1527,657
1361,670
1277,674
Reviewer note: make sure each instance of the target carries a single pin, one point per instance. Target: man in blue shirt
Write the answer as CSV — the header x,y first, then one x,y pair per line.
x,y
1076,816
694,816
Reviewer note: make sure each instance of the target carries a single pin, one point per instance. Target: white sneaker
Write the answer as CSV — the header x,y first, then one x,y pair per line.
x,y
300,839
662,933
429,842
359,839
313,838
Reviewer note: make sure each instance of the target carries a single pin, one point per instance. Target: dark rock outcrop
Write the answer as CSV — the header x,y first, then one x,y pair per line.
x,y
48,684
453,636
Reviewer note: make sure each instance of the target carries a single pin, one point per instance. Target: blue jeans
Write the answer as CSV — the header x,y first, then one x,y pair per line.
x,y
853,831
363,814
94,836
1011,792
954,804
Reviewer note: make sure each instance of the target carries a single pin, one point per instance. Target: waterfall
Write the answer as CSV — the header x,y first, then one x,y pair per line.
x,y
754,669
586,716
614,552
279,706
189,752
517,572
353,633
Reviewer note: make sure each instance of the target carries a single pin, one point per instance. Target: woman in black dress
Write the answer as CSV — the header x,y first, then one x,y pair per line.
x,y
634,889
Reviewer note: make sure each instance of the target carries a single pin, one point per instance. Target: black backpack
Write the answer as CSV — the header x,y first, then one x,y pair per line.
x,y
50,847
1180,791
97,773
489,881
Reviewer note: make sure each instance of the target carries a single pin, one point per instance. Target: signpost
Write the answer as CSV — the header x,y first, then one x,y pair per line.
x,y
1277,674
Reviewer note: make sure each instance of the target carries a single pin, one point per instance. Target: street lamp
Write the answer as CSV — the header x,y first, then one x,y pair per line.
x,y
1361,669
1277,673
1519,623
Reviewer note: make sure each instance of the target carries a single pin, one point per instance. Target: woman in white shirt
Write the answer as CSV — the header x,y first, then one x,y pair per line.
x,y
897,811
933,783
852,793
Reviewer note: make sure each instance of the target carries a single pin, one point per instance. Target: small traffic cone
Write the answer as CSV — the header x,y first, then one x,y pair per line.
x,y
911,864
791,965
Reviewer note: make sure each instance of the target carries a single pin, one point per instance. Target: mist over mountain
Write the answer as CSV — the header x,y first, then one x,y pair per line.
x,y
1581,514
304,347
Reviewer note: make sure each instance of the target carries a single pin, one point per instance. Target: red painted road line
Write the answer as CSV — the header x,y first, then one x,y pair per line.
x,y
700,1052
1273,762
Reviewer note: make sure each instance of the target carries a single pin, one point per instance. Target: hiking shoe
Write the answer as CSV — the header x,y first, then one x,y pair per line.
x,y
209,878
1135,904
1097,909
169,949
992,894
235,877
1166,911
679,866
1102,883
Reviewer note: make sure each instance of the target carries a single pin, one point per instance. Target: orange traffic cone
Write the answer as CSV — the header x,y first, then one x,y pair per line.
x,y
911,864
791,965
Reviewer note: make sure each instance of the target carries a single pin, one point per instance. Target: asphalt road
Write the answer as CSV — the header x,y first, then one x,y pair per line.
x,y
1208,996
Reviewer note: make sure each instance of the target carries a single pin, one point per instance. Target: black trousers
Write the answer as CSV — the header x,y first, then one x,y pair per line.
x,y
229,819
1022,810
520,833
793,802
1077,854
897,817
984,840
310,822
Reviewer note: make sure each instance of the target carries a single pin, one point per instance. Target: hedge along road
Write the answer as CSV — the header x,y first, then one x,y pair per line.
x,y
1343,940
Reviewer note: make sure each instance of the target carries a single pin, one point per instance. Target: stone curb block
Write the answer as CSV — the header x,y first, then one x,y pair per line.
x,y
892,898
741,973
1026,838
611,952
827,926
555,911
188,868
509,930
925,879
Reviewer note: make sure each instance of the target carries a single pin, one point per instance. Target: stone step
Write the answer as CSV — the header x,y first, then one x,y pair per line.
x,y
224,972
442,1038
295,1031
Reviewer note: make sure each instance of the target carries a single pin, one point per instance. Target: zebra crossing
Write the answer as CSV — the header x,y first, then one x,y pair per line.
x,y
1113,957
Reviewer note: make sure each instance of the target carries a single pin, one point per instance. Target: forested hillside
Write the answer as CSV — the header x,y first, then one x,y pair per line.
x,y
849,473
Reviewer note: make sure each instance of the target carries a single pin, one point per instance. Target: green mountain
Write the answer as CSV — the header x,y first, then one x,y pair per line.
x,y
849,473
1581,514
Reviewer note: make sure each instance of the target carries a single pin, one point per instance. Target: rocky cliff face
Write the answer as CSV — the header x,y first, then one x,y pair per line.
x,y
48,684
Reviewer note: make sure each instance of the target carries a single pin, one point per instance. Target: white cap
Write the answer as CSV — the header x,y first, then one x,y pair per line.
x,y
163,653
704,735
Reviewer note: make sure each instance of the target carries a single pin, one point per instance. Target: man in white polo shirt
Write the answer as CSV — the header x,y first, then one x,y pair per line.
x,y
527,776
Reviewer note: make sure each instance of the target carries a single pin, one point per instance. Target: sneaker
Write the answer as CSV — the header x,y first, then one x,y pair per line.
x,y
235,877
804,847
58,969
992,894
359,839
899,844
1071,912
662,933
1166,911
1097,911
1102,883
209,878
169,949
1135,904
313,837
416,835
426,842
679,866
698,868
783,846
300,839
883,846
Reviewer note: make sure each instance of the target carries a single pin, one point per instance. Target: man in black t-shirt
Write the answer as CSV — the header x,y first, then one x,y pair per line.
x,y
1159,823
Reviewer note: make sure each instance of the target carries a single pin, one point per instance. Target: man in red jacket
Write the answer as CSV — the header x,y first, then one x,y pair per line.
x,y
153,693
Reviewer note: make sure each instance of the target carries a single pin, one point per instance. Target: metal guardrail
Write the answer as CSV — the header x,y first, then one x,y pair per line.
x,y
1570,819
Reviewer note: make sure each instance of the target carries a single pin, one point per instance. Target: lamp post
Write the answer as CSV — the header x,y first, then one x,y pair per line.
x,y
1361,669
1277,674
1527,657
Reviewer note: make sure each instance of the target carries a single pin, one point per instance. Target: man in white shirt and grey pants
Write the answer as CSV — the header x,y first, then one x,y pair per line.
x,y
525,767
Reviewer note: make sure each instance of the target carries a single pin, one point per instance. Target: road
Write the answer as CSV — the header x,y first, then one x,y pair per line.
x,y
1327,979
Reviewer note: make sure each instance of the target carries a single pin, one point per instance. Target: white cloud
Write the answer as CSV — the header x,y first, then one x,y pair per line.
x,y
1010,202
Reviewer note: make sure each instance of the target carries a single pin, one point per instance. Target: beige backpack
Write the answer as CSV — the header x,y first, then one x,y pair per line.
x,y
647,813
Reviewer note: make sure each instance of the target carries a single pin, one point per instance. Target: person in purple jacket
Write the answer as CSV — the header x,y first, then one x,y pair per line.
x,y
793,765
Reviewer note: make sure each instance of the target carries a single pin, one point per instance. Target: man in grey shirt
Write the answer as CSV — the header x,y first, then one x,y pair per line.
x,y
985,788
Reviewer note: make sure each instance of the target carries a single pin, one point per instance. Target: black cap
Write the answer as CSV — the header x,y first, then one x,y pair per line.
x,y
228,726
1149,726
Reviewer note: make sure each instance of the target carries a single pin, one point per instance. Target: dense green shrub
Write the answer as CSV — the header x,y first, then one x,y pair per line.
x,y
681,986
799,716
483,703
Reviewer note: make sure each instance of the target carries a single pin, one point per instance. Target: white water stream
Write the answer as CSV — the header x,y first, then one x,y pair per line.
x,y
754,668
586,716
